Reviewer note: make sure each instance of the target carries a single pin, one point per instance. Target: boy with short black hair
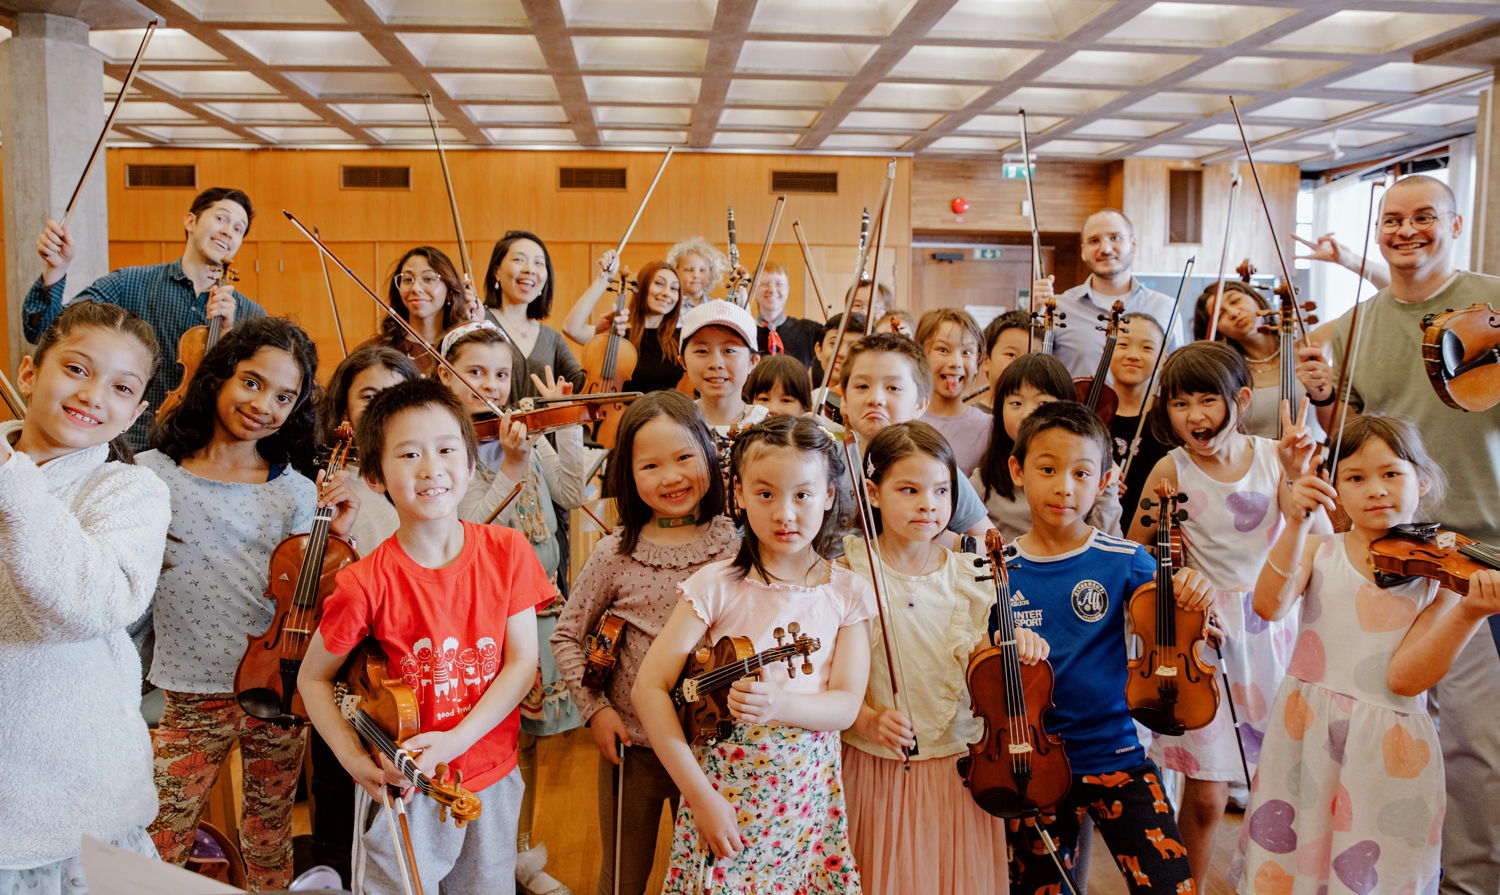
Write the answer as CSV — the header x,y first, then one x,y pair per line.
x,y
453,606
1069,584
830,351
1006,338
952,342
887,380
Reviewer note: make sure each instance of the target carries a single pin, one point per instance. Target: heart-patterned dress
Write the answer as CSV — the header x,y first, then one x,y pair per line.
x,y
1349,796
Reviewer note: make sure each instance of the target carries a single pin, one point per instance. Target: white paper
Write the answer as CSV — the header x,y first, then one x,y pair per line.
x,y
111,870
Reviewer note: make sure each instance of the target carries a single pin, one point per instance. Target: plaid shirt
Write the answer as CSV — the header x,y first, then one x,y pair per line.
x,y
161,295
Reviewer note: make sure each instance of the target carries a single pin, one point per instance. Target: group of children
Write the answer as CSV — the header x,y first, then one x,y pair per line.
x,y
840,778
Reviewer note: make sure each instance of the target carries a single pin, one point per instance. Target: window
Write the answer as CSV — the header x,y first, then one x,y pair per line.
x,y
1185,206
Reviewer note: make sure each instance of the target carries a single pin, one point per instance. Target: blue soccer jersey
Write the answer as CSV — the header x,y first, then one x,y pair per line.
x,y
1076,601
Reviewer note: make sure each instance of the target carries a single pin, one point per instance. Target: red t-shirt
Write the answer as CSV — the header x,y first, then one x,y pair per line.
x,y
443,630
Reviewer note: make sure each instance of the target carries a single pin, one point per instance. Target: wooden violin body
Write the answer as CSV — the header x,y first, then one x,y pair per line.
x,y
301,577
1052,321
609,361
1017,769
1461,350
702,691
1170,689
1427,551
385,712
601,650
194,345
1093,391
552,415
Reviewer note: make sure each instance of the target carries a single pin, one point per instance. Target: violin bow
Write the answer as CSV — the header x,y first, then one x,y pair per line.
x,y
405,854
765,248
415,336
1213,319
514,493
12,397
1286,273
812,269
859,276
1135,443
888,636
110,121
1344,386
332,302
1036,236
625,240
878,238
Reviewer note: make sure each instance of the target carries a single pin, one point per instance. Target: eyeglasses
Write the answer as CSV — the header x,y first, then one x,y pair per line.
x,y
1423,221
405,281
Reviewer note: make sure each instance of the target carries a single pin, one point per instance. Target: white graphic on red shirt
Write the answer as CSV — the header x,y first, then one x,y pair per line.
x,y
445,669
449,681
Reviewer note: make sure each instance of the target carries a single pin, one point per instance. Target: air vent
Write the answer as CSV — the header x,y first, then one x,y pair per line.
x,y
374,177
591,178
161,177
826,182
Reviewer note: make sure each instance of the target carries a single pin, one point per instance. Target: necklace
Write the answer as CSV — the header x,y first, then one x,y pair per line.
x,y
911,597
1265,360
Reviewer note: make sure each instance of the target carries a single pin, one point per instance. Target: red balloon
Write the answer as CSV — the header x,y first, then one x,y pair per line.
x,y
960,205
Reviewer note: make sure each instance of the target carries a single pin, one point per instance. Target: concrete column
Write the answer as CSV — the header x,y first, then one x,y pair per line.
x,y
51,111
1484,228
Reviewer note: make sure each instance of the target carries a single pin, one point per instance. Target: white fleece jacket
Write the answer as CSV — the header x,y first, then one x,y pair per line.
x,y
81,544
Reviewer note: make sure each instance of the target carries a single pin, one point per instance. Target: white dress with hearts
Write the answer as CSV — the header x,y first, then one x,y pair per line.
x,y
1228,533
1349,796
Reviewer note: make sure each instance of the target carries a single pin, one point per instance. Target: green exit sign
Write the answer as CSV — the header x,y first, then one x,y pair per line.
x,y
1015,171
994,254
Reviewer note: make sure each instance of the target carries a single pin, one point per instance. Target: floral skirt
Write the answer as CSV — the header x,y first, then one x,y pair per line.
x,y
787,785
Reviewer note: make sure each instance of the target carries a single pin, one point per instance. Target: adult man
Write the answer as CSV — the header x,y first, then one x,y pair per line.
x,y
793,336
172,297
1419,228
1109,251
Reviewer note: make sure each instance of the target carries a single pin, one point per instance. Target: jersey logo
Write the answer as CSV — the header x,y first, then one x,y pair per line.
x,y
1090,600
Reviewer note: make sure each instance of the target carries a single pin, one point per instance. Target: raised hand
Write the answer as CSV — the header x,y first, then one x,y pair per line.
x,y
552,387
1297,446
57,250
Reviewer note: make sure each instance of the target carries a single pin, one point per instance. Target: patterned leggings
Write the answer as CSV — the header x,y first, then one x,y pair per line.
x,y
195,734
1132,814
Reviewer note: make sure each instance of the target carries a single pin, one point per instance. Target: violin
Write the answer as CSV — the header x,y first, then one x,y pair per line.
x,y
554,413
1424,550
196,342
1017,769
601,650
702,692
609,361
301,577
1461,350
1170,688
1246,270
1093,392
1290,329
385,712
1051,322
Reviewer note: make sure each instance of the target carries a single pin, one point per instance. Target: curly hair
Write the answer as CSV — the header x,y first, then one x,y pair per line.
x,y
666,331
391,332
718,263
541,306
189,427
801,434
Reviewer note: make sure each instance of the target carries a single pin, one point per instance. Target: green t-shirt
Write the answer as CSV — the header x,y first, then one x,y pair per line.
x,y
1390,377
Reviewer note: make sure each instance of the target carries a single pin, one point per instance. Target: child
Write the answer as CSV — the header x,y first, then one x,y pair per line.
x,y
1234,503
1242,312
1350,719
766,803
483,357
830,350
1139,343
82,540
443,597
230,454
899,321
718,349
672,523
952,340
1006,338
938,607
780,382
1032,381
1069,585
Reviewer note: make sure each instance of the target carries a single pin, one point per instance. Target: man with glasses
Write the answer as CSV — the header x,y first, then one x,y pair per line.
x,y
1419,228
1108,250
172,297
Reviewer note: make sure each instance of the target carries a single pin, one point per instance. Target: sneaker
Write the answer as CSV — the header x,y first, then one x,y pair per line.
x,y
531,874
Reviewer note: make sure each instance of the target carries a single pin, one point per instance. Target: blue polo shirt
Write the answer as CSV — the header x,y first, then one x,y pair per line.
x,y
1076,601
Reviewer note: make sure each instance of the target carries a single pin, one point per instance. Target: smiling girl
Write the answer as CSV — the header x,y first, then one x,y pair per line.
x,y
430,295
954,344
230,455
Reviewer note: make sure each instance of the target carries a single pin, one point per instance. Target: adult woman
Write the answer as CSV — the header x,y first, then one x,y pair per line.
x,y
519,289
649,321
1240,315
428,293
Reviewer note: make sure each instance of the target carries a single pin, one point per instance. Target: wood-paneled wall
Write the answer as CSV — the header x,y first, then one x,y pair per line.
x,y
1066,193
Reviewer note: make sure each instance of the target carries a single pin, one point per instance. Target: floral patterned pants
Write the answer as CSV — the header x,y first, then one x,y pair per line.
x,y
195,734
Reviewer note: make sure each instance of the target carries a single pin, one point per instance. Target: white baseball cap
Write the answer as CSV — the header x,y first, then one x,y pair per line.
x,y
719,312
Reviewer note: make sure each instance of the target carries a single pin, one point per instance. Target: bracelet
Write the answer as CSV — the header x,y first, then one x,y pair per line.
x,y
1277,569
1325,402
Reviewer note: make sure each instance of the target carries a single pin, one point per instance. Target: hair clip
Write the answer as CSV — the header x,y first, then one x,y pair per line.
x,y
869,467
827,434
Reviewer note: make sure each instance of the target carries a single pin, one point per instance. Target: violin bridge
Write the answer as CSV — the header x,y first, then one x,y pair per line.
x,y
1018,748
1166,671
690,690
1446,540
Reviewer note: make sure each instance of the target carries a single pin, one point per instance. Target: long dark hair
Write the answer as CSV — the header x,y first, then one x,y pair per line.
x,y
1203,310
334,407
666,334
190,426
391,332
619,476
1211,368
895,443
542,306
110,318
802,434
1042,372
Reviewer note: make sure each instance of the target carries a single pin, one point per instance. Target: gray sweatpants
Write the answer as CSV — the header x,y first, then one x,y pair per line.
x,y
1468,716
480,859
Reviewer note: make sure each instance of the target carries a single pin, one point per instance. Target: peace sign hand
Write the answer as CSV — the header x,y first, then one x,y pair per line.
x,y
1297,445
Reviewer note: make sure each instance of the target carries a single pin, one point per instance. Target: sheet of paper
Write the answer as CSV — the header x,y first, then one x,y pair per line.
x,y
111,870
